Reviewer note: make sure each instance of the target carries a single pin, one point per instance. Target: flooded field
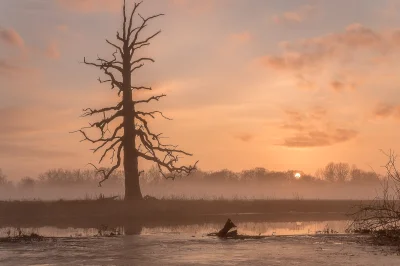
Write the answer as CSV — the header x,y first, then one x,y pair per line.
x,y
295,243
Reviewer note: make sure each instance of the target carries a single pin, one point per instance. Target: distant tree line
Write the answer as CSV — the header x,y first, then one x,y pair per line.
x,y
332,173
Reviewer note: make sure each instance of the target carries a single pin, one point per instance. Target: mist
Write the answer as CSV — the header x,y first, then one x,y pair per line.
x,y
334,181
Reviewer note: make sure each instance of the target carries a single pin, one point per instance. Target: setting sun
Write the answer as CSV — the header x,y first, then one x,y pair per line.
x,y
297,175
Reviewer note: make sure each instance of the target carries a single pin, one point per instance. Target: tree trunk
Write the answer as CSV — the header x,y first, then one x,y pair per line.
x,y
132,185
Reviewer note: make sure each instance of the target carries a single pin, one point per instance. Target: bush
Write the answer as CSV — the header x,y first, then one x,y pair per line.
x,y
382,216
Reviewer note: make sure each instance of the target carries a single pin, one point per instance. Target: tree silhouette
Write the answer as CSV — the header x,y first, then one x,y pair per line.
x,y
132,138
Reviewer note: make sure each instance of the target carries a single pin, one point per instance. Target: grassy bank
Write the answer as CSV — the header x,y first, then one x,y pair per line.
x,y
92,213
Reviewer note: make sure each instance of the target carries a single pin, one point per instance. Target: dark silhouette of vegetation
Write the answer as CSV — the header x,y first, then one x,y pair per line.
x,y
18,236
61,177
27,183
257,183
132,138
342,172
3,179
381,217
78,177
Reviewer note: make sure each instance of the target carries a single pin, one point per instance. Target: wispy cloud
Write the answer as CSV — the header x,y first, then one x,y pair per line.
x,y
11,37
342,85
385,110
343,55
30,151
53,51
90,6
7,68
297,16
195,7
62,27
313,128
319,138
241,37
245,137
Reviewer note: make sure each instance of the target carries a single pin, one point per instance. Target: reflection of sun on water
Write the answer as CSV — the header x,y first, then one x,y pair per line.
x,y
297,175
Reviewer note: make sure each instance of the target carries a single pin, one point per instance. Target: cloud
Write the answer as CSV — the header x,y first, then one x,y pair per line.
x,y
195,7
33,121
339,85
294,60
233,42
319,138
34,132
53,51
11,37
301,120
312,52
7,68
62,27
242,37
13,69
244,137
297,16
29,151
91,6
313,128
338,61
385,110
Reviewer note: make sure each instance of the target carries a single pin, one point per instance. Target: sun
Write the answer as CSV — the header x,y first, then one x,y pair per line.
x,y
297,175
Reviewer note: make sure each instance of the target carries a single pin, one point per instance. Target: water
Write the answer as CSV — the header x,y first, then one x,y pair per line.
x,y
248,228
188,245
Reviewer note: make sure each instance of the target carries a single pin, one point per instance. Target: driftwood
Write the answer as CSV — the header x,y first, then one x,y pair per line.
x,y
224,232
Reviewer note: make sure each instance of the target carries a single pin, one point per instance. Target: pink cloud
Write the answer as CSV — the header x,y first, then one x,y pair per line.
x,y
343,56
62,28
296,16
315,51
197,7
6,68
89,6
11,37
242,37
53,51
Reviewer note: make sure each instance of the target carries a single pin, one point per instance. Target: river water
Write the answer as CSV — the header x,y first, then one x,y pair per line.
x,y
299,243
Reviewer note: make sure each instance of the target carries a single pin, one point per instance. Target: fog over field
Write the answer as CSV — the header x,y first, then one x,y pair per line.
x,y
334,181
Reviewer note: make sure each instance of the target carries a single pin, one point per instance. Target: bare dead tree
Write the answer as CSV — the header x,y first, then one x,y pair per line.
x,y
132,137
382,215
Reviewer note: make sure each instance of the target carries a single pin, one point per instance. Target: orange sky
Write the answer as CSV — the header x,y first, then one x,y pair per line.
x,y
275,84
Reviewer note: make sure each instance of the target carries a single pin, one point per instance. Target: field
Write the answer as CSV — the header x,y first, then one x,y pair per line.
x,y
92,213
